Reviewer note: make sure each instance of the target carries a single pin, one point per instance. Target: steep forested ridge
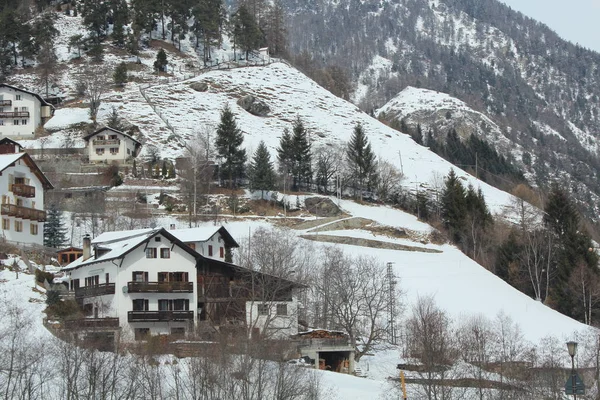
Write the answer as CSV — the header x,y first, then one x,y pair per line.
x,y
514,69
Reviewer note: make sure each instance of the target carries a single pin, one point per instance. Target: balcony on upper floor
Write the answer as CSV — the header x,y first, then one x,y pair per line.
x,y
14,114
159,316
106,142
96,290
22,190
160,287
5,103
12,210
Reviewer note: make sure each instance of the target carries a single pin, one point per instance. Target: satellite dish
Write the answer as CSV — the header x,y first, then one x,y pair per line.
x,y
124,289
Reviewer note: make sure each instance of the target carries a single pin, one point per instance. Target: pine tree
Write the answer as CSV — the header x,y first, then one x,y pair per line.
x,y
229,142
261,173
120,74
160,65
120,14
146,14
361,160
208,20
246,34
302,156
95,19
454,206
54,231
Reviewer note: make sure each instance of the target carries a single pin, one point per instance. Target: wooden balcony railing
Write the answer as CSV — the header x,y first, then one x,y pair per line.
x,y
13,210
160,287
91,323
14,114
160,316
20,189
4,103
97,290
106,142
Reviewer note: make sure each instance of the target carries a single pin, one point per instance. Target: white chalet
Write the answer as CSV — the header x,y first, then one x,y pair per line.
x,y
22,112
150,282
110,145
22,186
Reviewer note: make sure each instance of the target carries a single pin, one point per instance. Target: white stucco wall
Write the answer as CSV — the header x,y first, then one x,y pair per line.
x,y
33,105
216,241
119,304
121,156
273,325
20,169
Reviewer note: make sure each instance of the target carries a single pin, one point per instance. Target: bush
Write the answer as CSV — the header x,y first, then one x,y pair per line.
x,y
52,297
43,276
64,309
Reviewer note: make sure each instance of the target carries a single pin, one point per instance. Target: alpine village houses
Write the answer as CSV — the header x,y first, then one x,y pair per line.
x,y
110,145
22,112
23,185
177,282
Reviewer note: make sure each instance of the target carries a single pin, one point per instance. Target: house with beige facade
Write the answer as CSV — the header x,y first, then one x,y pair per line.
x,y
22,112
110,145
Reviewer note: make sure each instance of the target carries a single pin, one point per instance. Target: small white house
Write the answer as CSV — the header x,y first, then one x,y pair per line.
x,y
22,186
210,241
110,145
149,282
22,112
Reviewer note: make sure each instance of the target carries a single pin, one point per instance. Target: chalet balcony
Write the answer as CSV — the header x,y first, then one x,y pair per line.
x,y
12,210
22,190
160,287
97,290
159,316
92,323
106,142
5,103
14,114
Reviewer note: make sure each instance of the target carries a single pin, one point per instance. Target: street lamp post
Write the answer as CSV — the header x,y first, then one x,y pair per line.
x,y
572,347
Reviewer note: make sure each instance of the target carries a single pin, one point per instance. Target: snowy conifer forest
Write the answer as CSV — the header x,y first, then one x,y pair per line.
x,y
421,175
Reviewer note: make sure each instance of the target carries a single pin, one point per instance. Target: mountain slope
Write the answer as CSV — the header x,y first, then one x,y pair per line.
x,y
507,66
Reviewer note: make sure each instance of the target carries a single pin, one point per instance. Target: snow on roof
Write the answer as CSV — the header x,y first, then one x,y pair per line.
x,y
108,237
6,160
198,234
116,247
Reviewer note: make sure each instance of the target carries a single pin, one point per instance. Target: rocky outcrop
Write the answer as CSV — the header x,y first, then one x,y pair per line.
x,y
254,106
199,86
321,207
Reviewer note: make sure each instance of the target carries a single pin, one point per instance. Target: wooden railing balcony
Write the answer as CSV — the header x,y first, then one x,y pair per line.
x,y
13,210
160,287
159,316
97,290
5,103
106,142
14,114
20,189
91,323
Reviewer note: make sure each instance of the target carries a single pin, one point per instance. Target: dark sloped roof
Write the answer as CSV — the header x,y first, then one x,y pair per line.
x,y
44,102
7,160
88,137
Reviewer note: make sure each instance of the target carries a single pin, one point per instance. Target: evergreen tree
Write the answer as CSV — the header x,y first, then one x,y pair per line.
x,y
95,18
120,74
54,231
361,160
160,65
114,121
208,20
229,142
302,161
145,16
275,31
261,173
246,34
120,19
454,206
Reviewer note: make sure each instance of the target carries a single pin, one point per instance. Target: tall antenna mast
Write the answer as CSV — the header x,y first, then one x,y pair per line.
x,y
391,283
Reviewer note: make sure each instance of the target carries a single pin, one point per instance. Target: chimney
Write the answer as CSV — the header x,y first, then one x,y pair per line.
x,y
87,247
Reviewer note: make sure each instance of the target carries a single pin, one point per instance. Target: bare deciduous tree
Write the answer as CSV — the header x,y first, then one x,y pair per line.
x,y
93,81
356,297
